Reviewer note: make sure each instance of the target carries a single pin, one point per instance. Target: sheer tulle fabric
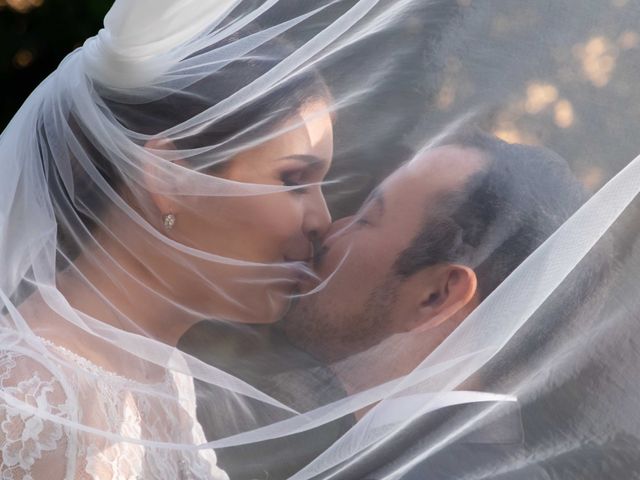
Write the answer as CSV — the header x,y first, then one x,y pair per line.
x,y
148,255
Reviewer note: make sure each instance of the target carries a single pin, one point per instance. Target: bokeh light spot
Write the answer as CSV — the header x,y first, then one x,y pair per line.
x,y
23,58
539,97
598,59
592,178
628,40
563,113
22,6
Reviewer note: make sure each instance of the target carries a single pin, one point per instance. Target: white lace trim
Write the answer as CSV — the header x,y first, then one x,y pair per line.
x,y
27,437
96,369
30,444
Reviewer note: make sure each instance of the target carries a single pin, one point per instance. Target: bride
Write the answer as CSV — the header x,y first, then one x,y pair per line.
x,y
146,197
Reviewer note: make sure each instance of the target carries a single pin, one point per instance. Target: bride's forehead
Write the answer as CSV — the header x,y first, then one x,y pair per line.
x,y
313,121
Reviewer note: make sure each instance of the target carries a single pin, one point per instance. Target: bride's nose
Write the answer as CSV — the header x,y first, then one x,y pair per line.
x,y
317,218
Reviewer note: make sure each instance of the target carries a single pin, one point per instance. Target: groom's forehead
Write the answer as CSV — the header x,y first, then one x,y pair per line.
x,y
433,174
446,165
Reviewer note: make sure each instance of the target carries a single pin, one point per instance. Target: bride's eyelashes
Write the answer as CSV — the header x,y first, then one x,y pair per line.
x,y
293,178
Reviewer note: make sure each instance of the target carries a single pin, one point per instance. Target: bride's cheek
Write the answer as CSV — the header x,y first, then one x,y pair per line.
x,y
292,215
283,211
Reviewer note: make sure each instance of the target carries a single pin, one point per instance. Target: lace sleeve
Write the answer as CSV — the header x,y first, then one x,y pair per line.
x,y
30,446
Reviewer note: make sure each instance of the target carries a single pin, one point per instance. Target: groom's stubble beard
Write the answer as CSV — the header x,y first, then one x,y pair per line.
x,y
320,327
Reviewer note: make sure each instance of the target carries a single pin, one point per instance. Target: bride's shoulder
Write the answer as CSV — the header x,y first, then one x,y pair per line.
x,y
31,381
33,400
21,360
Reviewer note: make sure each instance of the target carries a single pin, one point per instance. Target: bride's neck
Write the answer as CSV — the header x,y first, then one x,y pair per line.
x,y
116,288
139,284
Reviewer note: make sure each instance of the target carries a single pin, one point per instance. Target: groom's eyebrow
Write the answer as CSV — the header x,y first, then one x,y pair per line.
x,y
376,197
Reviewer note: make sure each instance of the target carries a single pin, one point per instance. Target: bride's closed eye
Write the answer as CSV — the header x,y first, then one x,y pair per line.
x,y
302,169
293,178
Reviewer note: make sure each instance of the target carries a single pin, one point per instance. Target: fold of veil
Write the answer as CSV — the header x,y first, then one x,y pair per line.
x,y
537,382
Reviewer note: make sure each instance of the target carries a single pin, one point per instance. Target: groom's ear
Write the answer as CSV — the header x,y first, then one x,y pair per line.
x,y
442,293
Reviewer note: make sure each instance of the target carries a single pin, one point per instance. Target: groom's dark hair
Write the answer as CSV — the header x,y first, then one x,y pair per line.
x,y
500,215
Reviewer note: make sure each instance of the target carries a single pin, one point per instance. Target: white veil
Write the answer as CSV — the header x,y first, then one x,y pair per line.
x,y
145,269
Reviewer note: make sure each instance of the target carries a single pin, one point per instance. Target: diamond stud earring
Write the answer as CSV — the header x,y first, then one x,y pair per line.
x,y
169,221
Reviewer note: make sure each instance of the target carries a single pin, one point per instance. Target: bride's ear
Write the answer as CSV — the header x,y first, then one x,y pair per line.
x,y
444,292
152,176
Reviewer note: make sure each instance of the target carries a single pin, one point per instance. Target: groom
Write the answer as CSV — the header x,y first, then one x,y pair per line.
x,y
437,236
430,243
427,247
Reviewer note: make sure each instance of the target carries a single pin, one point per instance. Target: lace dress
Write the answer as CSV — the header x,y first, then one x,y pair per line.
x,y
60,383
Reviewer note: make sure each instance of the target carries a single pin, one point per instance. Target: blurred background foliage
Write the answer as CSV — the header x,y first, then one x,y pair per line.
x,y
559,73
35,35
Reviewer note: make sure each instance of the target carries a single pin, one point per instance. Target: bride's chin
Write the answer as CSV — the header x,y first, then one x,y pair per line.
x,y
267,306
277,304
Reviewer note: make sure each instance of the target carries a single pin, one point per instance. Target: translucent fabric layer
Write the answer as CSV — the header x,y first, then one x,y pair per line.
x,y
335,239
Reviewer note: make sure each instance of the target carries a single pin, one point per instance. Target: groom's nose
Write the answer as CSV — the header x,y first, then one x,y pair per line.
x,y
335,231
338,228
